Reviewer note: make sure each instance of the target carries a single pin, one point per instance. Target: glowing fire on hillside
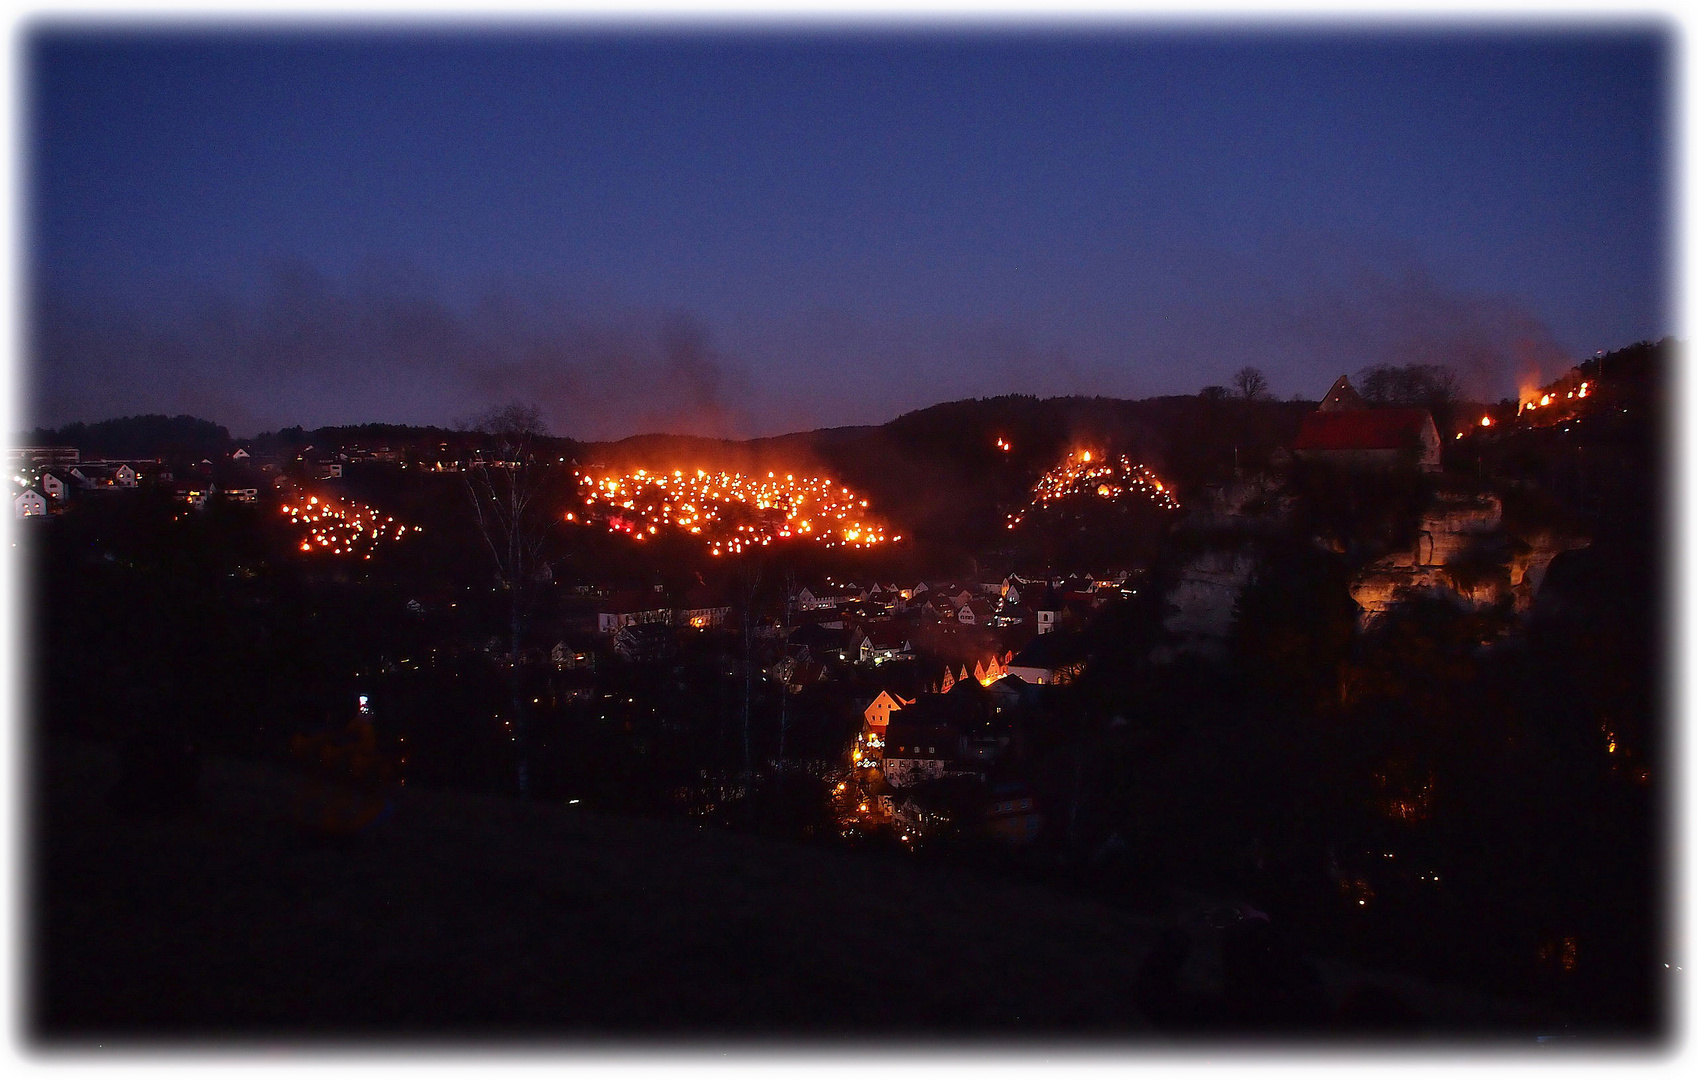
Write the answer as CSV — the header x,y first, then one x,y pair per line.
x,y
332,526
730,512
1086,474
1555,401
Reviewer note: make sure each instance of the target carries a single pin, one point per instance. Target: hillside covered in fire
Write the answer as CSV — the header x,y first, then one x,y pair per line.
x,y
1384,667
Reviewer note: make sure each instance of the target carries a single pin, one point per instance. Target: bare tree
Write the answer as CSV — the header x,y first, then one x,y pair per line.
x,y
784,698
749,582
1251,383
508,503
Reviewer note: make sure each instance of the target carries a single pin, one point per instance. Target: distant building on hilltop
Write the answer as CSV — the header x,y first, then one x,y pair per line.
x,y
1345,430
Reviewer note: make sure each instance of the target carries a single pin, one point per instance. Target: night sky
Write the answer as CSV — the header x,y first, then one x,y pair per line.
x,y
755,232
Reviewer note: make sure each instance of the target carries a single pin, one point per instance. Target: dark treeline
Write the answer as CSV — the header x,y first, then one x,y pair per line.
x,y
133,437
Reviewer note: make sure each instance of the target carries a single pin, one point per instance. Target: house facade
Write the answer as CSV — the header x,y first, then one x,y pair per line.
x,y
646,643
878,642
632,609
703,608
1344,430
916,752
877,714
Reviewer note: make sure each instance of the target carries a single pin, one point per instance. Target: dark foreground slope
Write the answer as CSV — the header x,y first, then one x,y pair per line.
x,y
465,917
469,916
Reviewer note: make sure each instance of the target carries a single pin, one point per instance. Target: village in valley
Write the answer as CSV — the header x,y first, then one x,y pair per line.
x,y
1134,642
534,532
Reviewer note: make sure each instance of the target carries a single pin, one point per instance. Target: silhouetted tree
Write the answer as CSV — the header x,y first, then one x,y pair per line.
x,y
1427,386
507,498
1251,383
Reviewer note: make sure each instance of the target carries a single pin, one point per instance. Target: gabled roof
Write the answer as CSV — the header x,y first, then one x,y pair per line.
x,y
702,596
885,635
812,634
967,689
1341,396
631,602
902,738
1364,429
1045,651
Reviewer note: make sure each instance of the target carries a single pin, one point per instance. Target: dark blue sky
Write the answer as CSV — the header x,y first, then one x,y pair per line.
x,y
751,233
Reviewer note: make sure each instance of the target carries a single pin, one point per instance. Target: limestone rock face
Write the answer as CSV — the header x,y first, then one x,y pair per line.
x,y
1453,526
1454,522
1526,569
1206,598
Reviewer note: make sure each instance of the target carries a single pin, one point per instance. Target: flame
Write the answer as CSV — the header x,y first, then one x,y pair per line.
x,y
1108,479
341,524
731,512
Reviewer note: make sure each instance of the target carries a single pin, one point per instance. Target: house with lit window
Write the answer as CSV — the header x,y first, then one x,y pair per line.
x,y
975,612
30,503
879,641
632,609
915,752
703,607
821,598
194,492
565,656
55,485
877,714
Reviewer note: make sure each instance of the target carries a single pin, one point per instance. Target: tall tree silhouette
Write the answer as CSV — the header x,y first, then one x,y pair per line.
x,y
508,490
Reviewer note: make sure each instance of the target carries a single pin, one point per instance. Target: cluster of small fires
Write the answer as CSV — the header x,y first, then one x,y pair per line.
x,y
731,512
1543,406
342,527
1090,474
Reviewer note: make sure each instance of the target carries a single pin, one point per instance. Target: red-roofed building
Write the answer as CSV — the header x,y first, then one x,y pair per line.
x,y
1370,437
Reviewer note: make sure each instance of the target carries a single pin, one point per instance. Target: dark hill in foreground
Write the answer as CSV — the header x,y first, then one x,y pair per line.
x,y
471,917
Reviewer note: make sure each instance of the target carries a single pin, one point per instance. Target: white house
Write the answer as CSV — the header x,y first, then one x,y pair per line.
x,y
915,752
818,599
30,503
879,641
975,612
